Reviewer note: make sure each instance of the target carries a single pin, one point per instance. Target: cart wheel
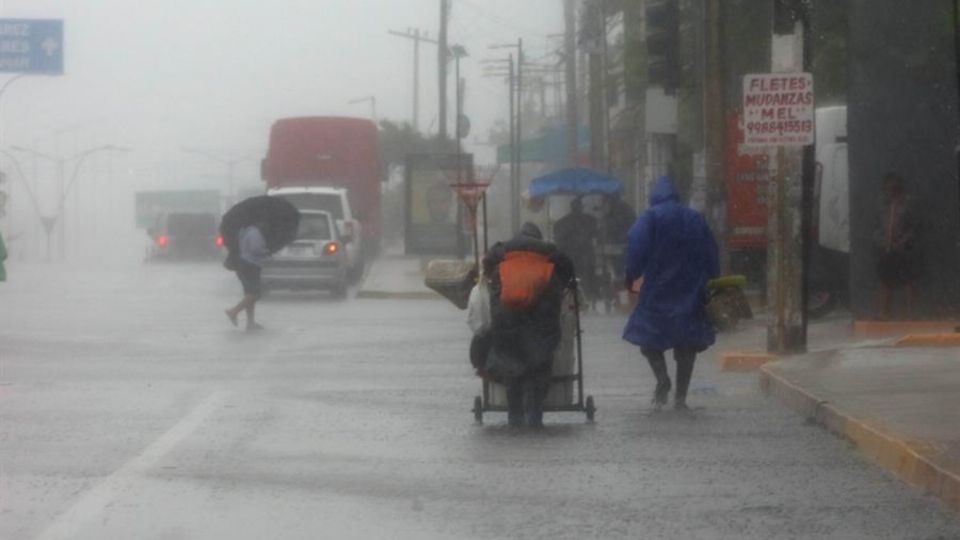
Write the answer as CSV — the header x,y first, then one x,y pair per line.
x,y
590,408
478,409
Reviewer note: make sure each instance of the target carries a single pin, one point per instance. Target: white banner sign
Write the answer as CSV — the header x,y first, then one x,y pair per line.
x,y
778,109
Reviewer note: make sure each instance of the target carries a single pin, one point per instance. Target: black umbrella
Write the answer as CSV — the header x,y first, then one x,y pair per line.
x,y
277,218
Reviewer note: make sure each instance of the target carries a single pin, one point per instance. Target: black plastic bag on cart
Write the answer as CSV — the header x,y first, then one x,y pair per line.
x,y
480,347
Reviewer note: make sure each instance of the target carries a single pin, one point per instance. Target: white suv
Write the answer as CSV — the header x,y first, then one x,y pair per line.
x,y
336,202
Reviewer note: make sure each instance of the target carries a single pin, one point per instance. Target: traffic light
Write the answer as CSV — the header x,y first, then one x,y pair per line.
x,y
663,43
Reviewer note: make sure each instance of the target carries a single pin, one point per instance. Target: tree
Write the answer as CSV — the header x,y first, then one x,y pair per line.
x,y
397,139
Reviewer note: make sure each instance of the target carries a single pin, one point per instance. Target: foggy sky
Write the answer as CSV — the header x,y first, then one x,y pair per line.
x,y
159,75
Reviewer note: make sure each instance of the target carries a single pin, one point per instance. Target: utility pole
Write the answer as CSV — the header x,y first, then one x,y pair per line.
x,y
597,113
791,196
459,52
604,90
715,131
514,151
417,36
570,54
519,130
442,59
516,126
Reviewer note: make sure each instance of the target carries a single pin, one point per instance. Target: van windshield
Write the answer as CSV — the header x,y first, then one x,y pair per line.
x,y
324,202
314,227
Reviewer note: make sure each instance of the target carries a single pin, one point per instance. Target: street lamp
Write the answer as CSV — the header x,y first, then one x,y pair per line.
x,y
64,186
231,164
373,106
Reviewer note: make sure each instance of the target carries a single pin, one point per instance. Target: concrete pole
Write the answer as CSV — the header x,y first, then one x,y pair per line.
x,y
514,150
787,225
519,134
570,48
62,229
715,128
416,80
442,56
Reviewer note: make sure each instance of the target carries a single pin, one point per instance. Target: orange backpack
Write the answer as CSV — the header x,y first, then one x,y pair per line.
x,y
524,275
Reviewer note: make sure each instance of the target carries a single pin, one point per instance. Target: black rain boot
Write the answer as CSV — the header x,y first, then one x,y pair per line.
x,y
659,366
685,361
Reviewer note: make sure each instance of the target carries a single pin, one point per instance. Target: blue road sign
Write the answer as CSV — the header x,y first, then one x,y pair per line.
x,y
31,46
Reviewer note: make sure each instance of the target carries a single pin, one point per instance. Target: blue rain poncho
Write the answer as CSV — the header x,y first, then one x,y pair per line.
x,y
672,248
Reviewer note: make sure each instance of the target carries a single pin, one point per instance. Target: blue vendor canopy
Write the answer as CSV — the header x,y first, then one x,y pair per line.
x,y
575,181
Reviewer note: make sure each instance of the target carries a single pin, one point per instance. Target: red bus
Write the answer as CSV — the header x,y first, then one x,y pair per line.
x,y
330,151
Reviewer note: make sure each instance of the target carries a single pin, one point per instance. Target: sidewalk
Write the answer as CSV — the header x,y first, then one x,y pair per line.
x,y
899,406
396,276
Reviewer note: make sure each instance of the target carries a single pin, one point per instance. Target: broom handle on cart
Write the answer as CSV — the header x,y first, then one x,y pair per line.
x,y
576,309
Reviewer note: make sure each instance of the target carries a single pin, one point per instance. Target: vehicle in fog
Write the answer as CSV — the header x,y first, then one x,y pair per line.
x,y
830,252
338,152
829,277
315,260
185,236
337,203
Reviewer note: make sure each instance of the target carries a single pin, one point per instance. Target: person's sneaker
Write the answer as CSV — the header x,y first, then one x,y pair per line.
x,y
254,327
232,317
681,406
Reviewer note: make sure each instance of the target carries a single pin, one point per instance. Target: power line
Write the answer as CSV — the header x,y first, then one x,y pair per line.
x,y
498,19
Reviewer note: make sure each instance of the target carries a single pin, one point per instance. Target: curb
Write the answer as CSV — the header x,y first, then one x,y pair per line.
x,y
929,340
913,461
742,362
888,328
408,295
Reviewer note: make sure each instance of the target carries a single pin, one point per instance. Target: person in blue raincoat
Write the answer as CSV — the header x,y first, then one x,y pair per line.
x,y
672,249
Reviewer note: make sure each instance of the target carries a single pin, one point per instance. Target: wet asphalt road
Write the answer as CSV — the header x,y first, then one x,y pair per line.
x,y
129,408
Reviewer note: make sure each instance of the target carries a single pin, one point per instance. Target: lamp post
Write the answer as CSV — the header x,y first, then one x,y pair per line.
x,y
230,163
373,106
64,187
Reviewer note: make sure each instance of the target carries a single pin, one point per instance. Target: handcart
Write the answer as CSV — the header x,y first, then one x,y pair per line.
x,y
566,392
454,279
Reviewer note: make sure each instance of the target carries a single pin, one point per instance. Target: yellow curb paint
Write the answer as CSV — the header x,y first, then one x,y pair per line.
x,y
744,361
888,328
387,295
929,340
919,463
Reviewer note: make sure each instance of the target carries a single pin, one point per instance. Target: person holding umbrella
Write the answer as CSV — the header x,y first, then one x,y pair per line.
x,y
253,230
253,253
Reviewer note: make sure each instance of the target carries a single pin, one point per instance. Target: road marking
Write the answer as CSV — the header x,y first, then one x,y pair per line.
x,y
92,504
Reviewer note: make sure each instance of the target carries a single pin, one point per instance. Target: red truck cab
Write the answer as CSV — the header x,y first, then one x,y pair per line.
x,y
333,152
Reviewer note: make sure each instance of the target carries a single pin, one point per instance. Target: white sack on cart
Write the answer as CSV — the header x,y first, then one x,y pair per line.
x,y
478,307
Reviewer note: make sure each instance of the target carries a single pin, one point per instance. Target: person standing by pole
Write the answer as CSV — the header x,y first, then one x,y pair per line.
x,y
672,250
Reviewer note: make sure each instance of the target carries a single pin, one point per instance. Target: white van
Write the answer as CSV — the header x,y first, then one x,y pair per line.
x,y
830,256
336,202
833,179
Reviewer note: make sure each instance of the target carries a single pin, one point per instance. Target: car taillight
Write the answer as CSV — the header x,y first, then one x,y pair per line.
x,y
162,241
332,248
219,241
